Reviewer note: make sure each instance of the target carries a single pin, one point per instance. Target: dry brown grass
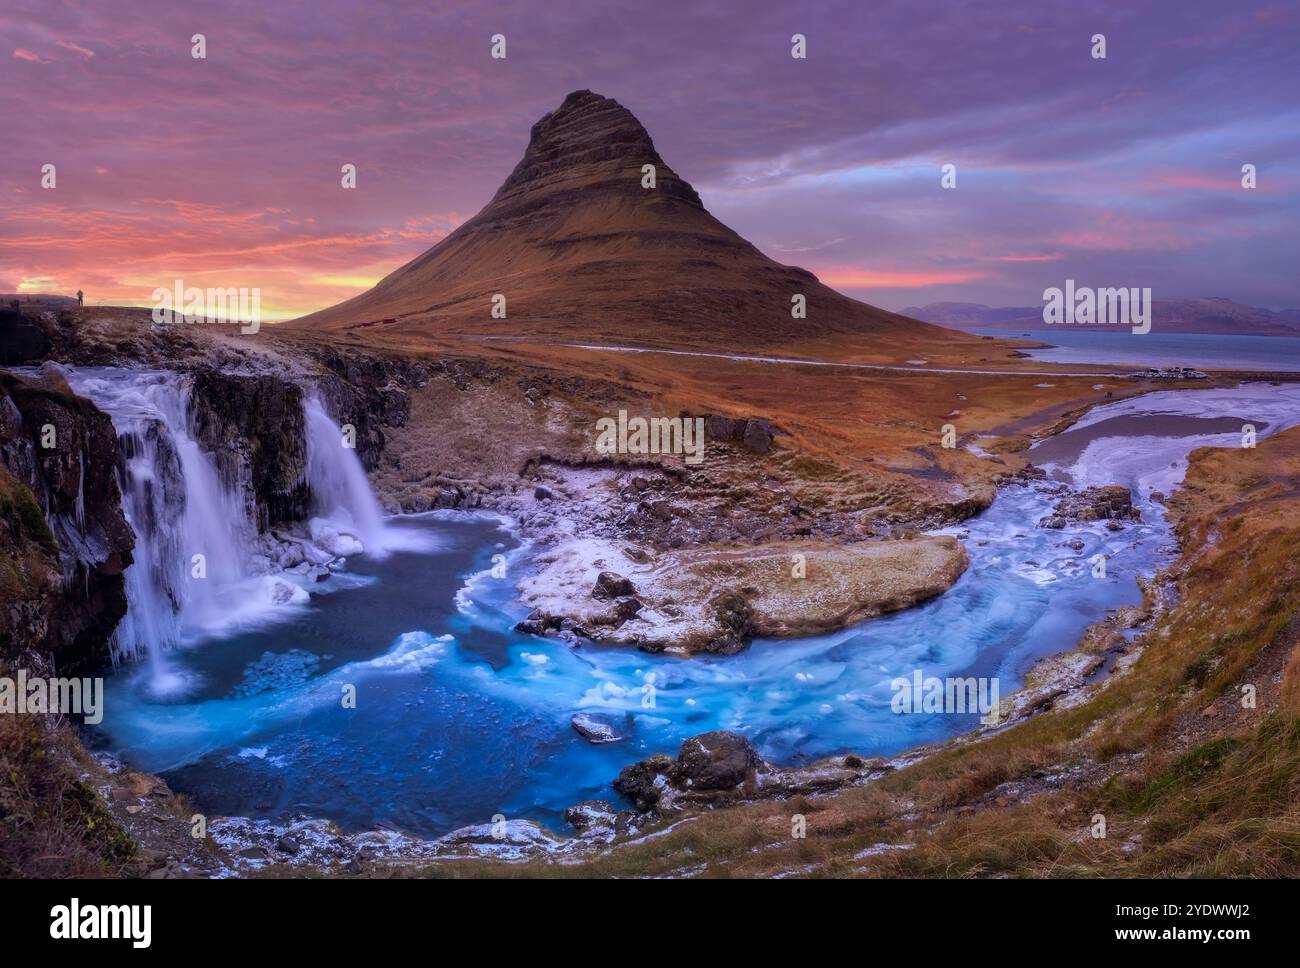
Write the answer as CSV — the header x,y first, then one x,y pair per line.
x,y
51,823
1290,692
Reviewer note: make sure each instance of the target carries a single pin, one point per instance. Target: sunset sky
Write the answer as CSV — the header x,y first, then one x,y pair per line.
x,y
225,171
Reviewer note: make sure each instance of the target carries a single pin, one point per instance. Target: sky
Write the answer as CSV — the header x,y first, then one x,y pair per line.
x,y
225,171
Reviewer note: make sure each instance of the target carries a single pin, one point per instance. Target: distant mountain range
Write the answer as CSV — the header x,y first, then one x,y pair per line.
x,y
36,300
1207,315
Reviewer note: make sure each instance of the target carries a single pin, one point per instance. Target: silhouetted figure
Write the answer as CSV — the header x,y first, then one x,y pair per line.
x,y
80,296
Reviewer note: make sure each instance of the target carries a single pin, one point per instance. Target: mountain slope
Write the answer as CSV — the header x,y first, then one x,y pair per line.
x,y
581,250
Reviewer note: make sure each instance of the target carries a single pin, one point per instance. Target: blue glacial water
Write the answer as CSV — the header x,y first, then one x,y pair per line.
x,y
459,718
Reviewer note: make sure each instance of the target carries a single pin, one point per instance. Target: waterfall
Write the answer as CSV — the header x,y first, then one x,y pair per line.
x,y
179,507
193,536
343,504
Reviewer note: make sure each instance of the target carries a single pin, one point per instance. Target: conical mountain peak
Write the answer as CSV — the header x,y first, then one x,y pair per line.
x,y
590,138
583,245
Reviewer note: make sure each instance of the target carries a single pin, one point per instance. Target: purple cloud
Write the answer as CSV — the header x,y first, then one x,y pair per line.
x,y
1117,171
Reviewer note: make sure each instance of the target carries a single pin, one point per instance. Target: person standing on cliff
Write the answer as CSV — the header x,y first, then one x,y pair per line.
x,y
80,296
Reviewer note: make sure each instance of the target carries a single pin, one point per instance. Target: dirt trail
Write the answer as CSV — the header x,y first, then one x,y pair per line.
x,y
796,361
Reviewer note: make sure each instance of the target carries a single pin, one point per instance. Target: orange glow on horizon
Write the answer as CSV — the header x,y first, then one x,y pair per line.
x,y
852,278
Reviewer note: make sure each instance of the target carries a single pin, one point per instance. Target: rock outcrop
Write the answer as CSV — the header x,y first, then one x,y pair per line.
x,y
716,599
708,767
254,426
66,541
1112,503
23,338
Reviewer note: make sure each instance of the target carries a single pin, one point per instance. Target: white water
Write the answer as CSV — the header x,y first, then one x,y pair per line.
x,y
179,507
342,500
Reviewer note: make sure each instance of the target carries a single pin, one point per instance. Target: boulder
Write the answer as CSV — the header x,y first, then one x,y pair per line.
x,y
719,760
590,813
610,585
644,781
601,727
625,609
22,338
141,784
723,428
707,766
757,436
753,433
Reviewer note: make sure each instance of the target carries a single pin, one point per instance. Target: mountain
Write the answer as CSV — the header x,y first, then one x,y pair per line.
x,y
581,250
1211,314
36,301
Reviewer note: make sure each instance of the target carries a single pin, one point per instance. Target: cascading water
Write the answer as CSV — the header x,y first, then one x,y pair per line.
x,y
201,568
194,535
343,503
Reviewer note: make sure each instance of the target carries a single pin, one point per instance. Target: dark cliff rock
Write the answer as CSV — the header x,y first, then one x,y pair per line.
x,y
23,338
752,433
255,427
369,393
59,506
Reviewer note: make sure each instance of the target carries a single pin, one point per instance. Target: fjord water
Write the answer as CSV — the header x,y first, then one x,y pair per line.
x,y
459,718
1211,351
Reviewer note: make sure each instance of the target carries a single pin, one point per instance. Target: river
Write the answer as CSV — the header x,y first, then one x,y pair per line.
x,y
458,718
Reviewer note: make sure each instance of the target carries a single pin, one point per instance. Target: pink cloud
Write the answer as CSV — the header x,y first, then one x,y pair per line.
x,y
1109,231
76,49
1193,179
